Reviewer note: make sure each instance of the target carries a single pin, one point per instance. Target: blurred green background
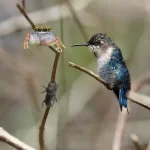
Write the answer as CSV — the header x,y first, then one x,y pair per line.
x,y
86,113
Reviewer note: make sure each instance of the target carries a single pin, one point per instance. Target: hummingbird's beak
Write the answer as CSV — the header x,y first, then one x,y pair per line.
x,y
86,44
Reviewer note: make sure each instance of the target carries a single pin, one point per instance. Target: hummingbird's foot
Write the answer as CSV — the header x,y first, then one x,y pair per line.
x,y
110,86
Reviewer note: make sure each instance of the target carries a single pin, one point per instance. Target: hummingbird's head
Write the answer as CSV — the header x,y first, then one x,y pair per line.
x,y
99,44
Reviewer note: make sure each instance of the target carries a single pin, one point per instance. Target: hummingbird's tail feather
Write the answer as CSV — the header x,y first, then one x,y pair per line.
x,y
122,99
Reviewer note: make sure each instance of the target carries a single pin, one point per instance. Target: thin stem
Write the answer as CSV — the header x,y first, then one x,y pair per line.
x,y
41,132
137,143
41,129
53,75
55,66
26,16
13,141
90,73
23,4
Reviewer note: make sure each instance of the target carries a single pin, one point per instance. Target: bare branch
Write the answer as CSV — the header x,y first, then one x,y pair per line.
x,y
132,96
53,75
136,141
139,99
12,141
26,16
41,132
120,126
23,4
90,73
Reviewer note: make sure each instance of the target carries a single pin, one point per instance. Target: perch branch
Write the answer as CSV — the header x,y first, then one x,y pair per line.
x,y
12,141
53,75
90,73
132,96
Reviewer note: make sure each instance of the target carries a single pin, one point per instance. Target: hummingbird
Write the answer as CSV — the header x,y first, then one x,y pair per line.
x,y
111,66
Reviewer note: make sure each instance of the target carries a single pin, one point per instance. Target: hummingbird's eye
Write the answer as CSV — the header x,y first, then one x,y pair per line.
x,y
102,42
44,29
39,29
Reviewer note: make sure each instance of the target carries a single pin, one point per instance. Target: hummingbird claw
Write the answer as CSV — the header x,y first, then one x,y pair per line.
x,y
109,86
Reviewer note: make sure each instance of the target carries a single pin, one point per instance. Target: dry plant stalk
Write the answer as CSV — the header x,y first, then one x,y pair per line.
x,y
53,75
137,143
41,132
12,141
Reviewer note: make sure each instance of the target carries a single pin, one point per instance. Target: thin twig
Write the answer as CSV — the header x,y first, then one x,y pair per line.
x,y
120,126
135,139
26,16
90,73
132,96
139,99
41,132
53,75
77,21
23,4
13,141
